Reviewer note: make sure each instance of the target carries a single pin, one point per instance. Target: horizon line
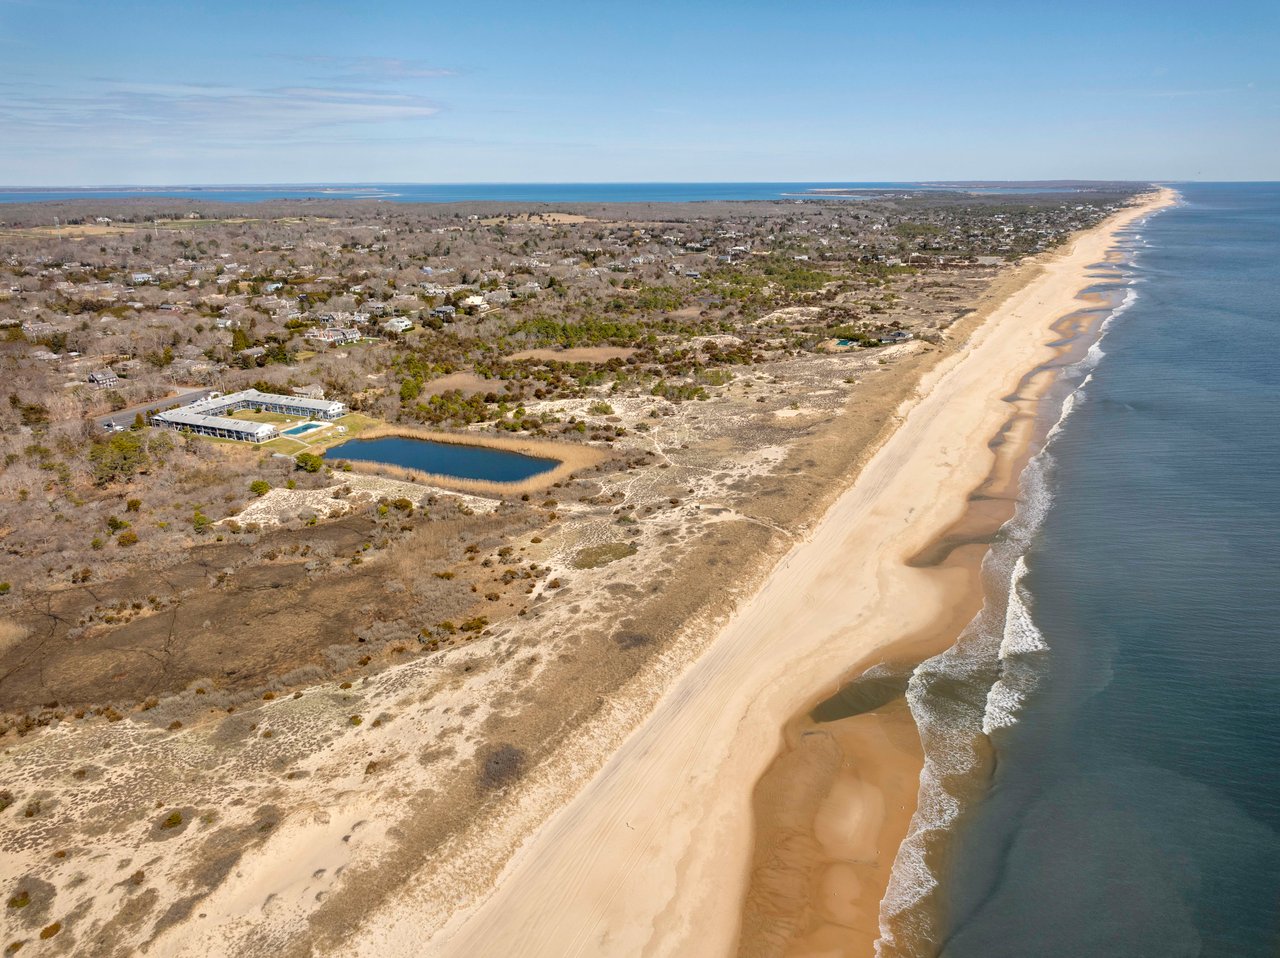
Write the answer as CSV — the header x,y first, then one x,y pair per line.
x,y
383,183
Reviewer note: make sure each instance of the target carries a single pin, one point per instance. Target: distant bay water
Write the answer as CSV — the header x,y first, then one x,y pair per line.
x,y
1129,802
495,192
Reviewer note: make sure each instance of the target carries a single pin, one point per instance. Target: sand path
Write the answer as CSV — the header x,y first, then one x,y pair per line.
x,y
651,857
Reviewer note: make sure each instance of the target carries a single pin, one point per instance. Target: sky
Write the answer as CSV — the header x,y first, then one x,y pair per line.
x,y
418,91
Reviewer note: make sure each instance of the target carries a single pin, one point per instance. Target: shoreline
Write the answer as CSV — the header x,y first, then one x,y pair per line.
x,y
840,795
663,831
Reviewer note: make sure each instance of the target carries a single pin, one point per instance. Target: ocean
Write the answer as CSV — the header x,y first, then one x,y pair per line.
x,y
497,192
1103,743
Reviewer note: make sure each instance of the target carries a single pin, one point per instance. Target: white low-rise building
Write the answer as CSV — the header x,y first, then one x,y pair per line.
x,y
210,416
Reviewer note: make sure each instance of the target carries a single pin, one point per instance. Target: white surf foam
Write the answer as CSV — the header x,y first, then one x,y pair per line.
x,y
1021,637
1018,677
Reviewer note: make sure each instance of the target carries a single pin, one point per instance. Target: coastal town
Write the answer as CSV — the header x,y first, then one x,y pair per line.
x,y
190,554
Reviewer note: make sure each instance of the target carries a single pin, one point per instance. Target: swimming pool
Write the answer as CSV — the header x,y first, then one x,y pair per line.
x,y
301,429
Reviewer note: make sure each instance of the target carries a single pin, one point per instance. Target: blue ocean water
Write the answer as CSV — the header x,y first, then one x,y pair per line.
x,y
1127,801
475,192
443,458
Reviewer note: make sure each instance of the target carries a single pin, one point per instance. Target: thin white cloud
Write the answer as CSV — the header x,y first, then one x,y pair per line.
x,y
379,68
200,112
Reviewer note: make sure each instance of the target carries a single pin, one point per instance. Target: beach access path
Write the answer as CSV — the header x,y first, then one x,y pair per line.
x,y
651,857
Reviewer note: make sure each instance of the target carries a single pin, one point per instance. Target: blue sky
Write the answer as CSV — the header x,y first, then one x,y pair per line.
x,y
287,92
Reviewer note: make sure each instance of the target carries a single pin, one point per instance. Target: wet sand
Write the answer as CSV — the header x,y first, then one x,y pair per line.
x,y
653,856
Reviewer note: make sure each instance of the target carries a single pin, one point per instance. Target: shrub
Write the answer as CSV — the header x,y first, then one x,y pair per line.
x,y
308,462
115,525
127,538
172,820
501,766
259,487
119,457
133,505
200,522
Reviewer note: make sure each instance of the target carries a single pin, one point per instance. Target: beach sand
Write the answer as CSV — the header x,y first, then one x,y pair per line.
x,y
654,855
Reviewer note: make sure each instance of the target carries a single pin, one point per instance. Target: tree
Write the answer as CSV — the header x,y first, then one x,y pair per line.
x,y
308,462
119,457
259,487
409,390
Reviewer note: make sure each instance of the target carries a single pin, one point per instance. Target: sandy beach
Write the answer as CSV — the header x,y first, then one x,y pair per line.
x,y
654,856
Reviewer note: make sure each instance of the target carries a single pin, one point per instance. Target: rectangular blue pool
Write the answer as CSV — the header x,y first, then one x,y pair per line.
x,y
301,429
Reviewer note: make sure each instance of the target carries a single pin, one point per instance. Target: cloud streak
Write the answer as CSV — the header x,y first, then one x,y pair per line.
x,y
378,69
202,112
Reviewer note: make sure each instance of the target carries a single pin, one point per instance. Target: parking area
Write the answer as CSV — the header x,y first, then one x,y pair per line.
x,y
125,417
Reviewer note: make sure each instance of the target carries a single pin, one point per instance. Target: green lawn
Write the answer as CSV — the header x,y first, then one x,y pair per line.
x,y
277,417
290,447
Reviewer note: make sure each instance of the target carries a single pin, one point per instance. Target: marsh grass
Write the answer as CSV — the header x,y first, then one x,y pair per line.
x,y
593,557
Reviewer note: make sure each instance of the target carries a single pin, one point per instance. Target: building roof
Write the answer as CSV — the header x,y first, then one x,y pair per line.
x,y
184,417
216,404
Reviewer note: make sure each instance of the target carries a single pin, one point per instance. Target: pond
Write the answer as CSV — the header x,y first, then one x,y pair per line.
x,y
443,458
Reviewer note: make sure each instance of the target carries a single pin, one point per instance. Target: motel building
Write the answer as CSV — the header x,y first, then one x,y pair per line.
x,y
211,416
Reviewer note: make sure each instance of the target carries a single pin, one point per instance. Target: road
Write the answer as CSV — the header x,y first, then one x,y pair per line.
x,y
125,417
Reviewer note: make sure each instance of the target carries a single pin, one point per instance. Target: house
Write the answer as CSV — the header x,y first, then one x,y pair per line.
x,y
332,334
104,379
141,279
897,336
311,391
398,325
444,312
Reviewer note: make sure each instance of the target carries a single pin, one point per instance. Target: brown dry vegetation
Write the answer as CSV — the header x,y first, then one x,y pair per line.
x,y
413,653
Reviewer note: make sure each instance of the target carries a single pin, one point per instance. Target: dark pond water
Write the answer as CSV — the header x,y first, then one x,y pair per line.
x,y
443,458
